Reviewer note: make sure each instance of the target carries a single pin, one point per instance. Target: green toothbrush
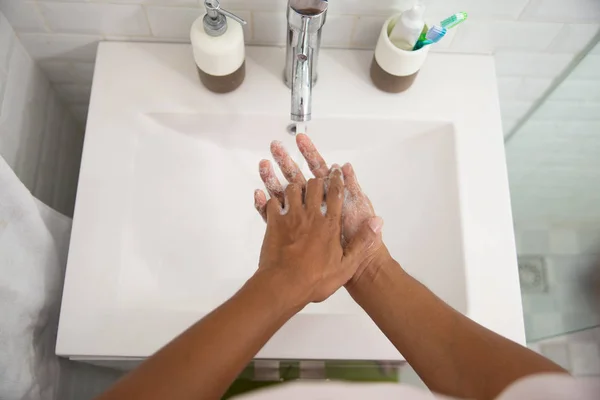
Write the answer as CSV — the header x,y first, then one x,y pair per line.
x,y
454,20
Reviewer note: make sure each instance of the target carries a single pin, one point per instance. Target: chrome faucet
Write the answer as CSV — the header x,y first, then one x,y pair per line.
x,y
305,20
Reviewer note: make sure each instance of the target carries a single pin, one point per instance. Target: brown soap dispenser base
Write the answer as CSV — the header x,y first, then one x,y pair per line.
x,y
225,83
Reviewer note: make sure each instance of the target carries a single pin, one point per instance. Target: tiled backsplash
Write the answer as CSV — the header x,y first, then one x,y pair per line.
x,y
39,138
533,40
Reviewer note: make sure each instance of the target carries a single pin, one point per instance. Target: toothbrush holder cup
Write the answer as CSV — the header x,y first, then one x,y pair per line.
x,y
394,70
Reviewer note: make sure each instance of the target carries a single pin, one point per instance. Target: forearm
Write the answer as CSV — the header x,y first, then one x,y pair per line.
x,y
452,354
203,361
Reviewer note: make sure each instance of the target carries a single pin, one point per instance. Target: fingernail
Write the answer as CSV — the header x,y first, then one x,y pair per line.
x,y
335,167
376,224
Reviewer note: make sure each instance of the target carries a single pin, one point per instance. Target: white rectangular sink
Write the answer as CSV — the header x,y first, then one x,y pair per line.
x,y
165,229
207,167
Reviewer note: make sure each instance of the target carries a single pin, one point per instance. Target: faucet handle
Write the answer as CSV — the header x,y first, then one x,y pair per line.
x,y
215,23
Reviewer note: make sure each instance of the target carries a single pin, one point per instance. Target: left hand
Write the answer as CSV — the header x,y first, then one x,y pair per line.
x,y
357,207
302,246
357,210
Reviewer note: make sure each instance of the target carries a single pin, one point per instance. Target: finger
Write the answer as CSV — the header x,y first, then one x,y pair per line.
x,y
273,210
287,165
335,194
267,174
315,161
314,195
293,197
350,179
260,203
364,244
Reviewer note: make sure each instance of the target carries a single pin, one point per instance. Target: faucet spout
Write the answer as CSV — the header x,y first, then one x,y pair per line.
x,y
302,77
305,20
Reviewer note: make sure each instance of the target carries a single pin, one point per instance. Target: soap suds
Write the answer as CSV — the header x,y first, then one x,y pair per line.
x,y
284,210
267,174
315,162
355,211
323,209
287,165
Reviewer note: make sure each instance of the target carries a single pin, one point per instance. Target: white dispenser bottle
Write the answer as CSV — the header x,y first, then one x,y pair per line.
x,y
218,45
408,27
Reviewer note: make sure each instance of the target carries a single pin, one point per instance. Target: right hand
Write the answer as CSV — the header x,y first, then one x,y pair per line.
x,y
357,208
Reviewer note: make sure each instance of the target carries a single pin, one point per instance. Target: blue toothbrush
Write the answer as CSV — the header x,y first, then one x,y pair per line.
x,y
434,35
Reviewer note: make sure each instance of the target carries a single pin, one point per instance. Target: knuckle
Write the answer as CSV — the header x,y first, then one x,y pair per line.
x,y
272,203
316,182
293,187
335,189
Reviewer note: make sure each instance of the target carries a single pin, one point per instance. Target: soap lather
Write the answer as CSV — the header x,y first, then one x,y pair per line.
x,y
218,45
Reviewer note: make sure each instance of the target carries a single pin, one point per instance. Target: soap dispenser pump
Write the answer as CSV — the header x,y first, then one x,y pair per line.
x,y
218,45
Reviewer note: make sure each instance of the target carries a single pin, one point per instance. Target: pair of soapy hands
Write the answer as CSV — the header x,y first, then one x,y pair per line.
x,y
322,233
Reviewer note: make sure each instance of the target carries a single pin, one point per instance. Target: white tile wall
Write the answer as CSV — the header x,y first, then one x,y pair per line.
x,y
367,30
553,163
172,22
563,242
96,18
74,92
514,109
578,90
24,16
268,28
589,68
533,88
566,11
488,36
37,133
572,38
60,47
530,38
68,72
531,64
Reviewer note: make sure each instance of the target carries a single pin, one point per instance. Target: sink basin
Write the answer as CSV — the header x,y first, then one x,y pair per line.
x,y
208,169
165,229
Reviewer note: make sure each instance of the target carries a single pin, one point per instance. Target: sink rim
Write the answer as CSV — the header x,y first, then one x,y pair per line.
x,y
485,208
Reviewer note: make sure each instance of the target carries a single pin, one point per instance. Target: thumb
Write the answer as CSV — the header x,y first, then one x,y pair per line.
x,y
365,243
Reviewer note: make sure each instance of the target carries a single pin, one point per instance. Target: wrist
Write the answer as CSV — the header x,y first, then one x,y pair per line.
x,y
374,268
286,298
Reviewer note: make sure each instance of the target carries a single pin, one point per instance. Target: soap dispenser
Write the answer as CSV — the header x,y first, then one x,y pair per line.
x,y
218,45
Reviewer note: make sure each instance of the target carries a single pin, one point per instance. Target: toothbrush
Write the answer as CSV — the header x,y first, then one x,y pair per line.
x,y
454,20
434,35
437,33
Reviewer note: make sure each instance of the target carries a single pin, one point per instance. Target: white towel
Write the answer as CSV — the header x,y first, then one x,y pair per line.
x,y
33,249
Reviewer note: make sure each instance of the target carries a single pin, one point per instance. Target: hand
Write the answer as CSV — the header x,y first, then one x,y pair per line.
x,y
357,208
302,245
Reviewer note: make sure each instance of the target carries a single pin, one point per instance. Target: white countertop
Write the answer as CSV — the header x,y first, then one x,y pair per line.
x,y
133,80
